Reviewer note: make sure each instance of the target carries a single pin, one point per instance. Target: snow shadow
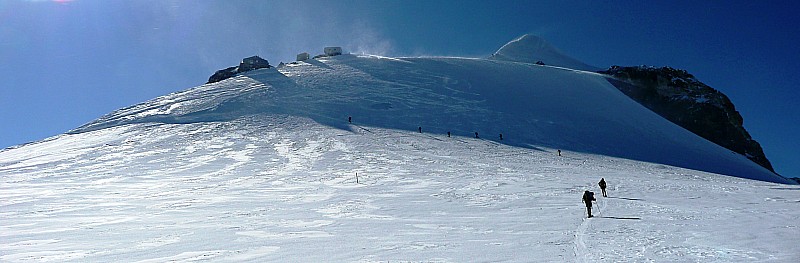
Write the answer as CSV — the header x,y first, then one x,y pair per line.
x,y
621,218
625,198
535,148
785,188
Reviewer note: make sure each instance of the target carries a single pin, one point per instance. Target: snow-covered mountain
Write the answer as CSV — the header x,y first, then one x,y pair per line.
x,y
531,105
265,166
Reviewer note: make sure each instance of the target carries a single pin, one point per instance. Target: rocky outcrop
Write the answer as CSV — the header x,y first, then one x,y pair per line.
x,y
247,64
223,74
680,98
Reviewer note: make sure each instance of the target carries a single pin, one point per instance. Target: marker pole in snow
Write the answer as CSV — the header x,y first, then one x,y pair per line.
x,y
356,178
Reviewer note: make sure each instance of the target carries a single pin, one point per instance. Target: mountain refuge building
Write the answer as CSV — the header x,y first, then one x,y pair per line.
x,y
302,56
251,63
333,51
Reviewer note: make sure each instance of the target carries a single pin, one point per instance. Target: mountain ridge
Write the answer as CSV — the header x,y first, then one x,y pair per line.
x,y
531,105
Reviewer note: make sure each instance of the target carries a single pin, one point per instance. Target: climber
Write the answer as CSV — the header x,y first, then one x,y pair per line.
x,y
602,185
588,197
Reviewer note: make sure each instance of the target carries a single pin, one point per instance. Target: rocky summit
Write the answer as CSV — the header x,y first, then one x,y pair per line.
x,y
682,99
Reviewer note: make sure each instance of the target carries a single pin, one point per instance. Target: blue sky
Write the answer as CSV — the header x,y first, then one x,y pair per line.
x,y
66,63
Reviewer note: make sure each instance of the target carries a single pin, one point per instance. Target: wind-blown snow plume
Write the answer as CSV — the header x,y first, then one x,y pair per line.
x,y
367,40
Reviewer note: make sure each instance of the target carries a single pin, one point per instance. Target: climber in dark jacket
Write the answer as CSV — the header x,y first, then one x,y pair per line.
x,y
602,185
588,197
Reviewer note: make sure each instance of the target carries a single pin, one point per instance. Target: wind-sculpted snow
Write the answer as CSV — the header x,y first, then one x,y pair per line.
x,y
278,187
531,105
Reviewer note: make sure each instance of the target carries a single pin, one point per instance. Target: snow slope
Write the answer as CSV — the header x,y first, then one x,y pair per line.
x,y
531,105
277,188
262,167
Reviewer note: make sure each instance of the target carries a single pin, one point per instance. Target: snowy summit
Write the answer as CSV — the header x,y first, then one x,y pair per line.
x,y
533,49
372,159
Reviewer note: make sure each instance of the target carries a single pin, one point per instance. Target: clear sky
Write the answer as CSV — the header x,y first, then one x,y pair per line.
x,y
65,63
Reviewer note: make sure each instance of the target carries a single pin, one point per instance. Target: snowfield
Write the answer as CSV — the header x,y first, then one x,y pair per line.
x,y
285,190
265,167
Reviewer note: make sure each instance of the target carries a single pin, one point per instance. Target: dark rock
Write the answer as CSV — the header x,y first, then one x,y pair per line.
x,y
247,64
222,74
680,98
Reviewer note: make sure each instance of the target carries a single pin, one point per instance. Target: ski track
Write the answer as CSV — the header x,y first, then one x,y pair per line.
x,y
581,252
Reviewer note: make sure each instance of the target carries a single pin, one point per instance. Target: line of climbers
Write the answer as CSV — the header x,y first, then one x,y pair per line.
x,y
419,129
588,196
